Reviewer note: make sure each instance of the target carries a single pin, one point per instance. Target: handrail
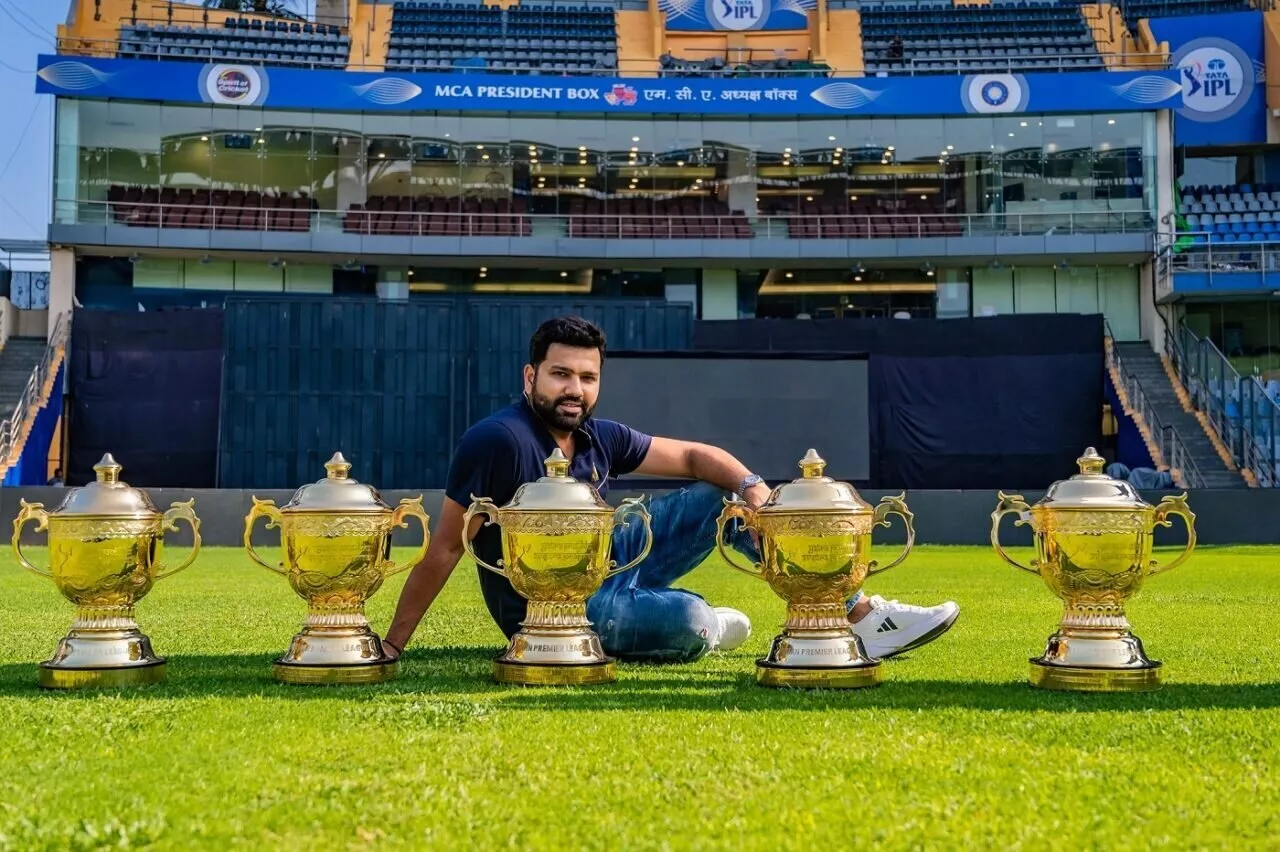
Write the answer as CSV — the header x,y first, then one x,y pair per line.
x,y
1242,414
1168,442
602,225
15,428
1011,62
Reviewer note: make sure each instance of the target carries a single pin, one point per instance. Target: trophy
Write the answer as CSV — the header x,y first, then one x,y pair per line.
x,y
815,542
556,535
336,535
1093,549
105,546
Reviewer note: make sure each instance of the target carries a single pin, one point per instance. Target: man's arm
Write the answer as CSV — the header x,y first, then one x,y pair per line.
x,y
429,576
668,457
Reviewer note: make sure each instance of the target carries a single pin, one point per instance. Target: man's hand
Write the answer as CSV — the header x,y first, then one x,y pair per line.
x,y
756,495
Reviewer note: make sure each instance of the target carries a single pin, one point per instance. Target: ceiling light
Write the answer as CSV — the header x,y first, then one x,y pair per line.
x,y
857,278
831,138
484,275
533,149
479,147
381,156
564,275
839,150
582,147
1111,121
890,148
808,198
1024,124
257,130
635,138
410,272
789,275
951,147
484,269
680,163
204,138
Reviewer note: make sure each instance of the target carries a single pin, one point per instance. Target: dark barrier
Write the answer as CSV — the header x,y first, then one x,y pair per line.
x,y
976,403
393,385
1223,517
145,387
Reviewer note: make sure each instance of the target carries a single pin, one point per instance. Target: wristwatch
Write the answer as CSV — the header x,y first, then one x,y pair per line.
x,y
747,481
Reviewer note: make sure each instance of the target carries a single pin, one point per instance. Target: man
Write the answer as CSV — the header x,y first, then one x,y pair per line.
x,y
638,615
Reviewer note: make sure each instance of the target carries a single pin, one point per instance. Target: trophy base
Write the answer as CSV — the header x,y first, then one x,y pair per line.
x,y
1078,679
551,674
827,658
57,677
304,675
783,677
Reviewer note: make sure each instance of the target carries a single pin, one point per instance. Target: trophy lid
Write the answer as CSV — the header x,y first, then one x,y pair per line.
x,y
337,493
557,491
107,496
1092,489
814,492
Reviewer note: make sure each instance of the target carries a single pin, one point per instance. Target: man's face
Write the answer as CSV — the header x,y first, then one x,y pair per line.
x,y
564,387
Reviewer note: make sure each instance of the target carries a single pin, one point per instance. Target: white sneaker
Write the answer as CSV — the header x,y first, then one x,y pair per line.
x,y
893,627
735,628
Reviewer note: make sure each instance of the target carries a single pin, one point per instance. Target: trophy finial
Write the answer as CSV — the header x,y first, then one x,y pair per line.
x,y
108,469
557,464
338,466
1091,463
812,465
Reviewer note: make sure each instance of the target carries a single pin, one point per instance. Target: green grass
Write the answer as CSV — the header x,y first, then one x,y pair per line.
x,y
953,751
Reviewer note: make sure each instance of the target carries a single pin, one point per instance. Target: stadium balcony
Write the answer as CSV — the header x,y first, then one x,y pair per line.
x,y
238,40
527,38
934,38
1136,10
639,218
431,217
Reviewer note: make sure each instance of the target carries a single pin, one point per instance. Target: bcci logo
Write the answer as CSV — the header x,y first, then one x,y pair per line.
x,y
620,95
737,14
992,93
242,85
1217,79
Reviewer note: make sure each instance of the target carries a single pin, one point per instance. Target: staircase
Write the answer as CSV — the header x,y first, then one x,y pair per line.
x,y
1145,366
18,358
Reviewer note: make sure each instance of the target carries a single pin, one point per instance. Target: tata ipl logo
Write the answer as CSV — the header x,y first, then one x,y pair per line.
x,y
737,14
1217,79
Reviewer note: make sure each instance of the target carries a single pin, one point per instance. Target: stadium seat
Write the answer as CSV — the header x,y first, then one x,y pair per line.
x,y
528,38
238,40
150,207
424,216
1003,36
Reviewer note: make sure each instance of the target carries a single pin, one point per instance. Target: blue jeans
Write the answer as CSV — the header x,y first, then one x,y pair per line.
x,y
639,617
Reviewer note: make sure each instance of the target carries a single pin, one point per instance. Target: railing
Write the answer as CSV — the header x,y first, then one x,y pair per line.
x,y
1010,63
14,430
1213,256
1241,411
604,225
1168,443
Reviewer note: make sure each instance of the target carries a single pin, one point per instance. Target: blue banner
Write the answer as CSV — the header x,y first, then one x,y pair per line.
x,y
736,15
1220,62
351,91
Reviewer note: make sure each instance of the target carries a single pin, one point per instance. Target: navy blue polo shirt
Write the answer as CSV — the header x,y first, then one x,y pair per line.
x,y
508,449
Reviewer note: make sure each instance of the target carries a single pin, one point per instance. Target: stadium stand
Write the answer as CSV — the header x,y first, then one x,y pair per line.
x,y
432,216
1242,213
872,218
236,210
1137,10
239,40
1012,36
641,218
527,38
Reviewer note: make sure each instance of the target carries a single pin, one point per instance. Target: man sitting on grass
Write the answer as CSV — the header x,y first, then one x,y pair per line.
x,y
639,617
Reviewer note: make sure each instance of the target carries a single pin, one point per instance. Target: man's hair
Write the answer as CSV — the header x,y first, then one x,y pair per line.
x,y
568,331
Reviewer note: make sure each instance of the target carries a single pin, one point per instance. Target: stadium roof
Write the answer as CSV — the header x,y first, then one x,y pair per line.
x,y
8,246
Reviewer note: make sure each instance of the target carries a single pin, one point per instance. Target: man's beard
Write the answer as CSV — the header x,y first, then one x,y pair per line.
x,y
547,409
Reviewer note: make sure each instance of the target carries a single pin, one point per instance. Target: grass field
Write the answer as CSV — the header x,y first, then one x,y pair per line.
x,y
953,751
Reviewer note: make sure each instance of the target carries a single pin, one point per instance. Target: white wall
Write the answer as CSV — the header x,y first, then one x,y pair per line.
x,y
1113,291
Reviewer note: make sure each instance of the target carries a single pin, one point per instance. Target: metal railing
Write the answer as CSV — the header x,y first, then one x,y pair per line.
x,y
603,225
15,428
1242,413
1011,63
1213,256
1168,443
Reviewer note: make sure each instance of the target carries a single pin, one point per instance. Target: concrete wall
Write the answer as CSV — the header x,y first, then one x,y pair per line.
x,y
941,517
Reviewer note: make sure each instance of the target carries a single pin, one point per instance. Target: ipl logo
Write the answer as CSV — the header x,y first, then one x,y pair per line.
x,y
1217,79
737,14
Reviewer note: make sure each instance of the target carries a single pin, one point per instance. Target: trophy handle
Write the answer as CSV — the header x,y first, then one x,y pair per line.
x,y
181,512
736,509
1009,504
1175,506
480,506
632,506
894,506
411,509
28,512
261,509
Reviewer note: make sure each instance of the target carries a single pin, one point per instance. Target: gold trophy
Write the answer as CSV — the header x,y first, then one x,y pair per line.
x,y
556,536
105,547
1093,538
336,535
815,542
